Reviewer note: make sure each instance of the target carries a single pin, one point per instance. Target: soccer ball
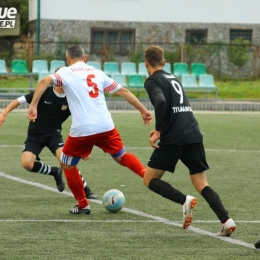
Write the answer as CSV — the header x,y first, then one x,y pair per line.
x,y
113,200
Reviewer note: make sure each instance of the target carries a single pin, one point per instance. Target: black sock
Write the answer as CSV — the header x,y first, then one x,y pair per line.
x,y
166,190
215,203
43,168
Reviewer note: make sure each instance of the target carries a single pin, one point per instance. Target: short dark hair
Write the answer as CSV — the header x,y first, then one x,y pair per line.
x,y
154,55
75,51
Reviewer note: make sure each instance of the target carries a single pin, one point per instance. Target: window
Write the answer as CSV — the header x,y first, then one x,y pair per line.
x,y
245,34
119,41
196,36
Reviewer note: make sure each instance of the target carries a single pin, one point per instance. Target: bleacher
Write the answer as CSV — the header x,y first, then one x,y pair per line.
x,y
129,74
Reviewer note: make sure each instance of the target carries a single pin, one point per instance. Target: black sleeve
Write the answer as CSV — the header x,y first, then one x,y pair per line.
x,y
159,109
65,115
29,97
157,99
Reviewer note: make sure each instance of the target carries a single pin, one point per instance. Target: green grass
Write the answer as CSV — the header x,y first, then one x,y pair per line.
x,y
239,89
233,89
35,223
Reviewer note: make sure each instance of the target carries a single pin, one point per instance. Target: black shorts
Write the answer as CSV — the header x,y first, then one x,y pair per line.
x,y
192,155
35,144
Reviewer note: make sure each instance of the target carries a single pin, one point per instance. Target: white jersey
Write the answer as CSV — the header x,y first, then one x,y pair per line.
x,y
84,87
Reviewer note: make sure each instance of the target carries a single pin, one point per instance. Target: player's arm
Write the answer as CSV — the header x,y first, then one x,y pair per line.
x,y
131,98
158,100
11,106
41,87
159,109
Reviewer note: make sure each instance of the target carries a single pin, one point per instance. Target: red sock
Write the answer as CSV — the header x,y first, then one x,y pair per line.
x,y
75,184
133,163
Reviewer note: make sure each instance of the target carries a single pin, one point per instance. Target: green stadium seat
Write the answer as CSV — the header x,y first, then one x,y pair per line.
x,y
142,70
119,78
54,64
136,83
198,69
95,64
19,66
206,82
128,68
42,75
110,67
180,68
167,67
189,81
3,68
40,66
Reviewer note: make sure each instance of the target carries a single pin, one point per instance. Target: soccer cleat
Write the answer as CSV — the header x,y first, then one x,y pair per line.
x,y
89,193
58,179
257,245
227,228
189,204
78,210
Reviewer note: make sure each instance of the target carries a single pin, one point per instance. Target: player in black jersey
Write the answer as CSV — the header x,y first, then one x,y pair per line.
x,y
179,138
52,110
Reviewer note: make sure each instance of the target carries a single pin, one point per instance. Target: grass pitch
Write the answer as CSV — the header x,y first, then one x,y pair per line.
x,y
34,218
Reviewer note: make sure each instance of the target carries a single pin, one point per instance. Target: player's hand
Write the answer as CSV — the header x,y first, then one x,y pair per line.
x,y
147,117
154,137
2,119
32,113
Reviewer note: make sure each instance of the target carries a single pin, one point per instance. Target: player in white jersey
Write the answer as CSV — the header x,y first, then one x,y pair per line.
x,y
92,124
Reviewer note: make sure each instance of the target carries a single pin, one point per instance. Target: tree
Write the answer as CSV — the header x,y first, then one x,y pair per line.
x,y
238,52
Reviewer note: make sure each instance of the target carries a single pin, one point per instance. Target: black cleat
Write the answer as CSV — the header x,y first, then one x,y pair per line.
x,y
257,245
89,193
58,179
77,210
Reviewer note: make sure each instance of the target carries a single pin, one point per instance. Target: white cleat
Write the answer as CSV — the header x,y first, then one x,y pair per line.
x,y
187,207
227,228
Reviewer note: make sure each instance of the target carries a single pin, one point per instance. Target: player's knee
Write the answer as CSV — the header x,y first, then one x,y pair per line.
x,y
27,165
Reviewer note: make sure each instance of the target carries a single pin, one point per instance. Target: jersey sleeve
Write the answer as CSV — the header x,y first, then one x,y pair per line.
x,y
152,88
110,85
26,98
57,80
158,100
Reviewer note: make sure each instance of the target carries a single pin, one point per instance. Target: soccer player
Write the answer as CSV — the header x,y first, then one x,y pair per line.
x,y
179,138
92,124
52,110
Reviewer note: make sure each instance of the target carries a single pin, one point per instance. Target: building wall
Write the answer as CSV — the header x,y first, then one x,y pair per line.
x,y
70,30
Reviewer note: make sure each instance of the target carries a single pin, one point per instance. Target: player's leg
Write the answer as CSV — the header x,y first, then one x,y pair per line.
x,y
130,161
73,150
88,191
165,159
199,181
111,143
194,158
31,162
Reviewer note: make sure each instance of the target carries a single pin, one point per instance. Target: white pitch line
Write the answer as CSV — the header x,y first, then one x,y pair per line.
x,y
118,221
150,148
79,220
138,213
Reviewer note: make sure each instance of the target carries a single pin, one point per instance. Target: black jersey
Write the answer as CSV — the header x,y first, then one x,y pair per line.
x,y
173,114
52,111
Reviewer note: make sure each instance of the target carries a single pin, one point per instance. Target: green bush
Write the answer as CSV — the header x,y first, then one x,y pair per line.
x,y
237,52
